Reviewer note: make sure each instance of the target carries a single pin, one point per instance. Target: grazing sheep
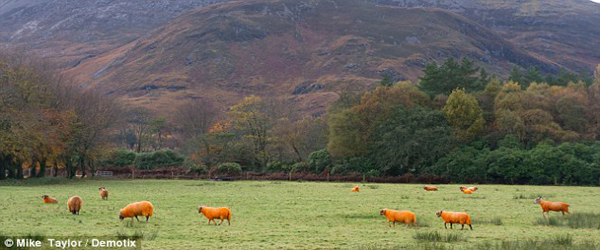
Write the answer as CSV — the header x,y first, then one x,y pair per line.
x,y
552,206
47,199
355,189
394,216
454,218
468,190
431,189
74,203
143,208
211,213
103,193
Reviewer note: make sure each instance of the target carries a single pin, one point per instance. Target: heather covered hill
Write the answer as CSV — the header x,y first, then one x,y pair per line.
x,y
566,32
72,31
298,49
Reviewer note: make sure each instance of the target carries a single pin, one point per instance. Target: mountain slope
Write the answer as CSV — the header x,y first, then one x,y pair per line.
x,y
565,31
70,31
299,49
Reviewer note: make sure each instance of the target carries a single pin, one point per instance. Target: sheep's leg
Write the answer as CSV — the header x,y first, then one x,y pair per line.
x,y
137,218
228,222
394,223
470,227
221,221
446,227
208,221
389,223
462,226
147,217
450,225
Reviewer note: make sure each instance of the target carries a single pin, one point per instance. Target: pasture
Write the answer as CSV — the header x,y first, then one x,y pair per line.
x,y
303,215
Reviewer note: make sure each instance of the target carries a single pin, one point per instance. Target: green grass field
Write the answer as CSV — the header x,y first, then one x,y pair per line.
x,y
303,215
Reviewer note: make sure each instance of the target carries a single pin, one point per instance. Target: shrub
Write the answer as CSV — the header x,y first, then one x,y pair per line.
x,y
319,160
158,159
278,167
119,157
197,169
230,168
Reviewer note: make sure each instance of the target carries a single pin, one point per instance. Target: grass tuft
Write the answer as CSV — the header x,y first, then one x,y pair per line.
x,y
557,242
531,196
436,236
575,220
494,221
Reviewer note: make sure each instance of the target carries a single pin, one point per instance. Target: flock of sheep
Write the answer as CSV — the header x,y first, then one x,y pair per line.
x,y
146,209
143,208
408,217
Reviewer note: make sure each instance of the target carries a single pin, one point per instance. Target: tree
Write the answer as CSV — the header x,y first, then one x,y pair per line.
x,y
158,128
253,119
452,75
297,139
464,115
387,81
411,140
531,75
597,75
140,119
346,138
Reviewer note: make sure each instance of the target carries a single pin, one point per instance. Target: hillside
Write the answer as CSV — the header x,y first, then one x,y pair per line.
x,y
303,50
566,32
71,31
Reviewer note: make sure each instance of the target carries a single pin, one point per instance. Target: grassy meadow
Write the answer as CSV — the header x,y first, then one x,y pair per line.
x,y
304,215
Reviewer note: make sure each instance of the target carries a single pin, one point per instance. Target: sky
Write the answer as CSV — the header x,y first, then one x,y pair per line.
x,y
597,1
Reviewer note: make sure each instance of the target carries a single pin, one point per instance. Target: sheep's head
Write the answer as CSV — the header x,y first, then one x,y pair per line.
x,y
44,196
382,212
121,217
200,209
102,188
462,188
537,200
439,213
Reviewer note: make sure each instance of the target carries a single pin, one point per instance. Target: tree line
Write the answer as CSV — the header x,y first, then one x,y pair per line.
x,y
457,121
46,120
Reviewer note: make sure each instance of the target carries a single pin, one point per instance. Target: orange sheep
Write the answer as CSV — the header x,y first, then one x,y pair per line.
x,y
468,190
431,189
454,218
143,208
355,189
211,213
552,206
74,203
394,216
103,193
47,199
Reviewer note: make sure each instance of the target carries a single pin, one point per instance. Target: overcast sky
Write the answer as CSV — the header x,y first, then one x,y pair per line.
x,y
597,1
